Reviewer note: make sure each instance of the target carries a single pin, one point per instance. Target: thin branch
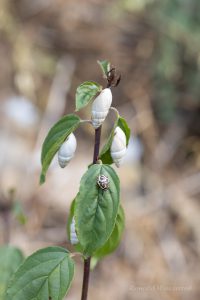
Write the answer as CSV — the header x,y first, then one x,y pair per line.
x,y
116,111
86,121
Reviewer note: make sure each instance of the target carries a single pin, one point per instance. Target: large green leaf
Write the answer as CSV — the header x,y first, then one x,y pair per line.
x,y
85,93
10,259
105,67
95,209
114,240
54,139
46,274
105,155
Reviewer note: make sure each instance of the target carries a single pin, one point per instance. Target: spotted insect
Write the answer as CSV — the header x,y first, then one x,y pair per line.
x,y
103,182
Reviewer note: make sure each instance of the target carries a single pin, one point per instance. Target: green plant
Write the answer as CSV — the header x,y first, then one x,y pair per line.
x,y
96,218
10,257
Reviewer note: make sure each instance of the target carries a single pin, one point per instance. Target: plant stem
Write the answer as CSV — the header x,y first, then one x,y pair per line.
x,y
115,110
86,277
97,144
86,274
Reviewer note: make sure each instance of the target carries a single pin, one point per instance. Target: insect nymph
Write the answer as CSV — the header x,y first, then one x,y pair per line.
x,y
103,182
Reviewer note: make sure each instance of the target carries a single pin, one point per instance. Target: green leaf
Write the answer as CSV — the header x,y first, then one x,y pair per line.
x,y
105,66
10,259
114,240
70,217
105,155
78,246
85,93
54,139
95,209
46,274
124,126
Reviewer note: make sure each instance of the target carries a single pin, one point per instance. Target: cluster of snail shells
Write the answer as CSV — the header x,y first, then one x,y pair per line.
x,y
100,107
67,150
118,146
73,236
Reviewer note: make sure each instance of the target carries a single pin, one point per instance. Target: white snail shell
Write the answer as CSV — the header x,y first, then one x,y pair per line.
x,y
73,236
67,150
100,107
118,146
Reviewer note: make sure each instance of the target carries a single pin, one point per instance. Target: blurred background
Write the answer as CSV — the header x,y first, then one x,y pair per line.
x,y
47,48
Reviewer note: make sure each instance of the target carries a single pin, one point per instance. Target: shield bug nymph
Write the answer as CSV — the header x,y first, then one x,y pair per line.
x,y
103,182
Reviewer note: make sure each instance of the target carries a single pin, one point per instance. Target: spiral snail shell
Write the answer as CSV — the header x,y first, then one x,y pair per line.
x,y
100,107
118,146
73,236
103,182
67,150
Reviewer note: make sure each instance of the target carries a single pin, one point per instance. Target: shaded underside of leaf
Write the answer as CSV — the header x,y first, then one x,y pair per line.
x,y
105,155
55,138
45,274
95,209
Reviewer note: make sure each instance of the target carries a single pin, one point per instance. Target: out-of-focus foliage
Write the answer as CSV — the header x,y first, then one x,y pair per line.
x,y
176,66
10,259
47,48
176,62
19,214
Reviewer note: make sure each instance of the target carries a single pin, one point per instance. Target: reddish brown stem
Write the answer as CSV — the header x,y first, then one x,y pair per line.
x,y
97,144
86,277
